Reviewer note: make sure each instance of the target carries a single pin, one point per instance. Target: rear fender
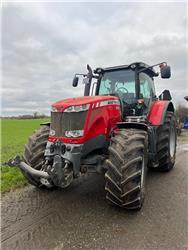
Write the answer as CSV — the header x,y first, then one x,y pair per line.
x,y
158,111
151,131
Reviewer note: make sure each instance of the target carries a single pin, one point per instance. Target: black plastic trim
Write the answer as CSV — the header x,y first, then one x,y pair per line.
x,y
137,125
45,124
97,142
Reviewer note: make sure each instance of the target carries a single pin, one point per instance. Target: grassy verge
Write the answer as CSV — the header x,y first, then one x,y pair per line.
x,y
184,136
14,134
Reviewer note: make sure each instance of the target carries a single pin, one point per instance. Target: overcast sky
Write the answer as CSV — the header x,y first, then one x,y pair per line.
x,y
44,44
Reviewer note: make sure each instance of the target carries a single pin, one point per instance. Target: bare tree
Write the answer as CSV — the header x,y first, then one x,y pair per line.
x,y
182,111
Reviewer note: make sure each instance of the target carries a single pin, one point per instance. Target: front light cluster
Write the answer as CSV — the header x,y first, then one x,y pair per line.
x,y
74,133
78,108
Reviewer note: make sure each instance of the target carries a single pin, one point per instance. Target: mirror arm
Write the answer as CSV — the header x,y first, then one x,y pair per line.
x,y
85,75
141,70
79,74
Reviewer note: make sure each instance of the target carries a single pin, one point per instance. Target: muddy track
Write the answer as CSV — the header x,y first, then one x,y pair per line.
x,y
79,217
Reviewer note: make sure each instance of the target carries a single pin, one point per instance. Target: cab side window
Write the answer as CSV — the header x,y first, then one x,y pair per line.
x,y
147,91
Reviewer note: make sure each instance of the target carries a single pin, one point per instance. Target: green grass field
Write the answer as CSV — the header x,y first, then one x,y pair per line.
x,y
14,134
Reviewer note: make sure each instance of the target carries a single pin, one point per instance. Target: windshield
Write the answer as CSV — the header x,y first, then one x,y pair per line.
x,y
118,81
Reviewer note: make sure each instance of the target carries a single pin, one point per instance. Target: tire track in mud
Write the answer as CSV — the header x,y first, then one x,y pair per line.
x,y
32,234
31,212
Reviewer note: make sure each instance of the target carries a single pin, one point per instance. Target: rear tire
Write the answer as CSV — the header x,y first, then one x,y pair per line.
x,y
166,143
125,177
34,153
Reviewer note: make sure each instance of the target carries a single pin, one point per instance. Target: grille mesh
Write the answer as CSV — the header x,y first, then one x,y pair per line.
x,y
61,122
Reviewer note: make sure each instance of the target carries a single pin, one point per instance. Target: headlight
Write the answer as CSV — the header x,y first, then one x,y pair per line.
x,y
74,133
78,108
52,132
53,109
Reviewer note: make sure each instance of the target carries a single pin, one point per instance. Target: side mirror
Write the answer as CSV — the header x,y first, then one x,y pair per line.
x,y
75,81
165,72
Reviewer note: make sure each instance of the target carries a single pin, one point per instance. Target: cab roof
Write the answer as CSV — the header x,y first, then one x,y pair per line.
x,y
137,65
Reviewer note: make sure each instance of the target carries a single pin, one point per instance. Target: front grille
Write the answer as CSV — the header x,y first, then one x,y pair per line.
x,y
61,122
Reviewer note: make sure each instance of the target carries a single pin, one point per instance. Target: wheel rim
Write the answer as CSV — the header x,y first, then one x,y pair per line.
x,y
142,184
172,141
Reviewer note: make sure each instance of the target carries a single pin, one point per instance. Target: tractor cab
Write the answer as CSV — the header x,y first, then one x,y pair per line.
x,y
133,84
124,84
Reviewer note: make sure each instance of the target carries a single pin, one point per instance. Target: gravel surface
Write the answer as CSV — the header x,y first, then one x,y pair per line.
x,y
80,218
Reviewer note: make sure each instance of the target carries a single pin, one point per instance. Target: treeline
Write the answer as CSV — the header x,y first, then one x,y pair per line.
x,y
181,112
35,115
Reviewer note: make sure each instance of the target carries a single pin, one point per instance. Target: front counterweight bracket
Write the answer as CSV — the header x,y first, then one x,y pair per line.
x,y
60,172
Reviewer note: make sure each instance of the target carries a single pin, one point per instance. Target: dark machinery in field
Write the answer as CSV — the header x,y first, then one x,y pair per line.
x,y
119,128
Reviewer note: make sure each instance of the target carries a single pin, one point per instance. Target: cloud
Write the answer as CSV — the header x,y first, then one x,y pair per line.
x,y
44,44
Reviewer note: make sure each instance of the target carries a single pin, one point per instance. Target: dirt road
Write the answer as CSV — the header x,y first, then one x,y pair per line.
x,y
80,218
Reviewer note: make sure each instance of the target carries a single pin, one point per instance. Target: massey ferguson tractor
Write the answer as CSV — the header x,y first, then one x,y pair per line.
x,y
119,128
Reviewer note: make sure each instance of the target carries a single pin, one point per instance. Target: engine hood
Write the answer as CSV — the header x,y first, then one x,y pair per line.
x,y
63,104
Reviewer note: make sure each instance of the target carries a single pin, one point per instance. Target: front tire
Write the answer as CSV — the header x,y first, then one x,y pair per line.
x,y
34,153
125,177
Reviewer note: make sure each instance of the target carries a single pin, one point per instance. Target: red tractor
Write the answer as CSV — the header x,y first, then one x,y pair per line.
x,y
119,128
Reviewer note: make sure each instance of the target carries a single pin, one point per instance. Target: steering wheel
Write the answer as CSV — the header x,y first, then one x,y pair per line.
x,y
123,88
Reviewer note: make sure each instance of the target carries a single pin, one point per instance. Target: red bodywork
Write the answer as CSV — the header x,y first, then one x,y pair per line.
x,y
101,117
157,112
